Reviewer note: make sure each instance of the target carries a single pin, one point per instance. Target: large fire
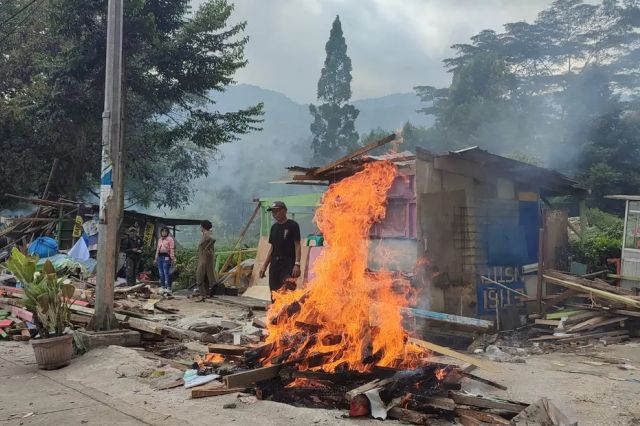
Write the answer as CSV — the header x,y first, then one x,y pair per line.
x,y
347,315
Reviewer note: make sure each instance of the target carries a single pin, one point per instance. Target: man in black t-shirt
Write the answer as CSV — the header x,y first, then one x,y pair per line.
x,y
284,253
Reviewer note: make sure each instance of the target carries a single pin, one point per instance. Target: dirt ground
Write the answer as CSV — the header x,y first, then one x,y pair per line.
x,y
116,386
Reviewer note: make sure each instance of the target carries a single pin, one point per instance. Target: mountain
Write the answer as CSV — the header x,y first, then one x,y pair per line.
x,y
242,170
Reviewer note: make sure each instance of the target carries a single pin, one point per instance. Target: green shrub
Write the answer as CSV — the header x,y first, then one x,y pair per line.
x,y
602,240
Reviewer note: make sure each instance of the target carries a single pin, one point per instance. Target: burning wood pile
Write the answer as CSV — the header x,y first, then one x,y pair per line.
x,y
340,342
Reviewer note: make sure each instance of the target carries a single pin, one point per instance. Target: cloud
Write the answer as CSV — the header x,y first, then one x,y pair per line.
x,y
393,44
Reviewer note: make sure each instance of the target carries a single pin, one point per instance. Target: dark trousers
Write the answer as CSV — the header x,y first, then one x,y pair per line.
x,y
279,270
131,269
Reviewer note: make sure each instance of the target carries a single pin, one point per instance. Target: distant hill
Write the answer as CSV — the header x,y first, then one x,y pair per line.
x,y
242,170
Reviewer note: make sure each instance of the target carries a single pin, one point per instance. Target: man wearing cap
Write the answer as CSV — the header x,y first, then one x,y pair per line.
x,y
284,253
133,252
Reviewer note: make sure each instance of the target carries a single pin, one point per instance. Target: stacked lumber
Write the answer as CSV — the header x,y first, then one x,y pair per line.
x,y
587,311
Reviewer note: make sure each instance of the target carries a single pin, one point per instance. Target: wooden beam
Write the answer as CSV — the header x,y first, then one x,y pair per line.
x,y
453,354
249,378
480,416
410,416
591,284
559,298
481,402
600,293
203,393
221,348
356,153
377,383
485,381
449,319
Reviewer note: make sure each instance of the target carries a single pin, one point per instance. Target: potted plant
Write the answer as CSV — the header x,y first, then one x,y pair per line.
x,y
49,299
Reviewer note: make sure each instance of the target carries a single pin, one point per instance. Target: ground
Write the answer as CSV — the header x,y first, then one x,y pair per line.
x,y
116,386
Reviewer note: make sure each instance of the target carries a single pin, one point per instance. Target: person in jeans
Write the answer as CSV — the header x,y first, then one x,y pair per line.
x,y
284,253
165,256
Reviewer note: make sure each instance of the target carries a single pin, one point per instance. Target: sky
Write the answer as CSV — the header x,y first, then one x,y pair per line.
x,y
394,45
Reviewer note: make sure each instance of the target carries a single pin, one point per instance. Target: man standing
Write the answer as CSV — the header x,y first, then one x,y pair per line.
x,y
284,253
133,252
205,272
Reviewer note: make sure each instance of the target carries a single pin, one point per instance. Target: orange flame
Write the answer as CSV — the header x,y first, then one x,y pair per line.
x,y
355,315
440,374
209,359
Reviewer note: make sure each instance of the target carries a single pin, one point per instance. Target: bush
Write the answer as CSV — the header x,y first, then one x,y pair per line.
x,y
602,240
186,264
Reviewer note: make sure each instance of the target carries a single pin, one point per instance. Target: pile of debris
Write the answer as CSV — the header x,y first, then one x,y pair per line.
x,y
590,311
431,394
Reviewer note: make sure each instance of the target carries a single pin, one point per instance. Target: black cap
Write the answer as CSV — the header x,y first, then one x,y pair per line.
x,y
277,205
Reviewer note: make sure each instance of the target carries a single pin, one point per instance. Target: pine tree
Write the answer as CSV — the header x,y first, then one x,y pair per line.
x,y
333,128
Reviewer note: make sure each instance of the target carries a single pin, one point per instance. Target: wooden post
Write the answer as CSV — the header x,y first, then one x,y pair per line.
x,y
111,183
540,265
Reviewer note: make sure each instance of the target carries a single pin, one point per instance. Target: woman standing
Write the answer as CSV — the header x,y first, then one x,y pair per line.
x,y
165,255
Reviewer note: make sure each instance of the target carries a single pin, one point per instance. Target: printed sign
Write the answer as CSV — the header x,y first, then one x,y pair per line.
x,y
491,295
148,234
77,227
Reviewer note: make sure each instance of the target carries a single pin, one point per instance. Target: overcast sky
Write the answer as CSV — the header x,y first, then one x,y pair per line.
x,y
393,44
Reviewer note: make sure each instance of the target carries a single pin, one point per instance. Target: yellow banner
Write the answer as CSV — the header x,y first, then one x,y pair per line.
x,y
148,234
77,227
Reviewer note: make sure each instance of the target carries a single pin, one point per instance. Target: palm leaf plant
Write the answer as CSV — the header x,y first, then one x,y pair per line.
x,y
46,295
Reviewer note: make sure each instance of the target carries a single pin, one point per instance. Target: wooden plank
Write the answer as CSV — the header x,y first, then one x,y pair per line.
x,y
440,403
549,337
460,321
221,348
600,293
248,378
172,385
563,314
590,283
453,354
22,313
594,336
601,323
481,416
482,402
410,416
248,302
482,380
5,323
203,393
553,323
567,294
377,383
11,290
358,152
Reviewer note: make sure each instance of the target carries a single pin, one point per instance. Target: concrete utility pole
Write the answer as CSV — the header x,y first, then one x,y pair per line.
x,y
111,176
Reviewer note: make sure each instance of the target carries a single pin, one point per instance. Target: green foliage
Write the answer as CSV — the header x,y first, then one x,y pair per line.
x,y
46,295
186,264
609,164
333,128
602,240
534,89
52,87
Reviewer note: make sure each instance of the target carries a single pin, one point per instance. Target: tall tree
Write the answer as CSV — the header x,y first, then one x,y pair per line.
x,y
52,87
333,126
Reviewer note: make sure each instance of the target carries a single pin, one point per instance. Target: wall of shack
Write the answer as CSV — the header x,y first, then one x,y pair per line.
x,y
473,223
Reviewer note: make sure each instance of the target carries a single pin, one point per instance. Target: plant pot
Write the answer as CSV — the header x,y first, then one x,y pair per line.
x,y
54,352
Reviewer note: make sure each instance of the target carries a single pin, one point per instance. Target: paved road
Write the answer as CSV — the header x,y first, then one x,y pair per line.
x,y
33,397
